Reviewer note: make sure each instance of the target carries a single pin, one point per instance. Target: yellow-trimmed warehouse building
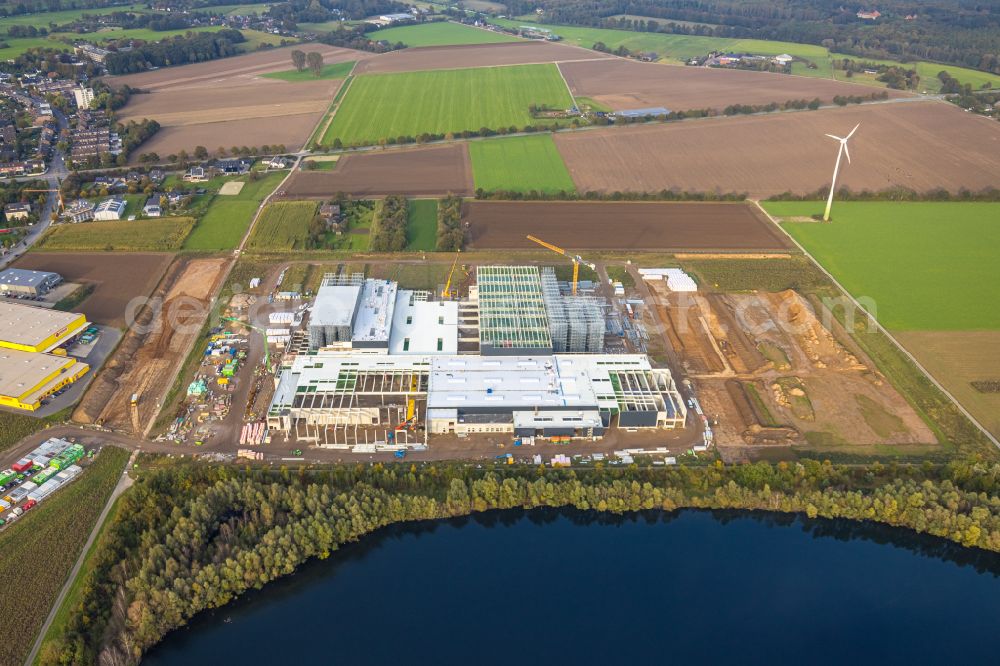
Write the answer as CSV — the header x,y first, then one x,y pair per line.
x,y
32,329
26,378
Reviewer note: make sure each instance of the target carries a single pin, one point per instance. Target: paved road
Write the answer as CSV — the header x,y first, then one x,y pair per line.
x,y
56,173
124,483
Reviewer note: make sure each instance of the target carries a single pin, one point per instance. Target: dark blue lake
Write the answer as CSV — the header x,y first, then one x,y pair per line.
x,y
562,586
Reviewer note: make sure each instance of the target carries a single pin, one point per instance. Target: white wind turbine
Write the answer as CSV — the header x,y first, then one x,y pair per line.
x,y
843,151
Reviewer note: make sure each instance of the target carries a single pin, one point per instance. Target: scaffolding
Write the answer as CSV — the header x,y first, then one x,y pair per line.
x,y
512,317
576,323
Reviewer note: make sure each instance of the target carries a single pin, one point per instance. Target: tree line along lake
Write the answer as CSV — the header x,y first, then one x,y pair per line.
x,y
560,586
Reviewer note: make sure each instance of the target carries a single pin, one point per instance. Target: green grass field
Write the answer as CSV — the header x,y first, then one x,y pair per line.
x,y
421,225
390,105
39,551
228,217
926,265
162,234
223,225
520,164
335,71
441,34
283,227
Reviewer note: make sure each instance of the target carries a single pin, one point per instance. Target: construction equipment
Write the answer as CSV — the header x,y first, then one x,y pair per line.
x,y
446,292
575,258
263,332
58,191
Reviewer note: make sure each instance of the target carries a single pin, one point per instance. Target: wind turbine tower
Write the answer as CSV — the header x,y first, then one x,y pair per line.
x,y
843,151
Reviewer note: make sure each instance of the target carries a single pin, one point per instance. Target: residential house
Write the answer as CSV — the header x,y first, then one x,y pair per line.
x,y
784,59
234,167
869,16
17,211
196,175
80,210
176,197
276,162
111,208
152,207
157,175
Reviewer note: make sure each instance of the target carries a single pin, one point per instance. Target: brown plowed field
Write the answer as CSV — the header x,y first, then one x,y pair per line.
x,y
619,226
415,171
225,103
473,55
957,358
116,278
627,84
921,145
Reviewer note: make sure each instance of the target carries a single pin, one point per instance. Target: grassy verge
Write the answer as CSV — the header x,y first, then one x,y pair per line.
x,y
41,548
71,301
621,274
15,427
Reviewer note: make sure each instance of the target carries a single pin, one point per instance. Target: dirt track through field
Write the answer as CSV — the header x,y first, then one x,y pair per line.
x,y
226,103
920,145
116,278
436,170
626,84
474,55
619,226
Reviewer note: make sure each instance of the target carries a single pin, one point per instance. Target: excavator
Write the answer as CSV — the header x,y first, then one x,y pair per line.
x,y
575,258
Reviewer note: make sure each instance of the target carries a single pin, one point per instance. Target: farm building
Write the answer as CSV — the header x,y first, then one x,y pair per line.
x,y
21,282
641,113
27,378
110,209
33,329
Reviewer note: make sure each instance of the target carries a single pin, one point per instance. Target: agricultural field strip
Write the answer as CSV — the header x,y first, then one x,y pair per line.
x,y
409,104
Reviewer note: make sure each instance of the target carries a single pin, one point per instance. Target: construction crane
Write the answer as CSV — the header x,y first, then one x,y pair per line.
x,y
575,258
446,292
58,191
263,332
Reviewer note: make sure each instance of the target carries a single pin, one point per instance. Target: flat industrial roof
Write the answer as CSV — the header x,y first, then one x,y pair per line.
x,y
374,315
507,382
334,305
21,371
418,325
30,326
25,277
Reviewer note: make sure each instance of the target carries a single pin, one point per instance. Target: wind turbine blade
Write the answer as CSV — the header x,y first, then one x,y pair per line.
x,y
834,137
846,151
852,131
